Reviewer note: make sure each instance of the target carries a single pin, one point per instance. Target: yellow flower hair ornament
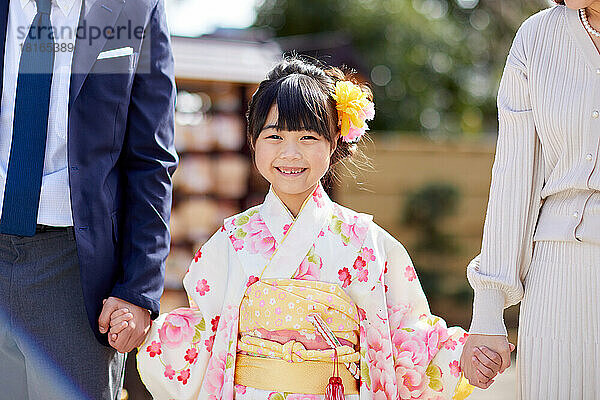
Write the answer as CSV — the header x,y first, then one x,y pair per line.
x,y
354,109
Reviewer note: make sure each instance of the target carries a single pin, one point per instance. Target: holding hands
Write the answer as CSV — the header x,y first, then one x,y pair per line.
x,y
483,357
127,324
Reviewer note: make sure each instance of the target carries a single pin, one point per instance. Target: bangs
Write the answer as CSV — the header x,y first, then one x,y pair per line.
x,y
303,104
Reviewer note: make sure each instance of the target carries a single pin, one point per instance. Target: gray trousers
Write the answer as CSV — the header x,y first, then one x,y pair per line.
x,y
47,347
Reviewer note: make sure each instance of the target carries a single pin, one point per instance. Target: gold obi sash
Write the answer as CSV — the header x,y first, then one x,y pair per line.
x,y
275,332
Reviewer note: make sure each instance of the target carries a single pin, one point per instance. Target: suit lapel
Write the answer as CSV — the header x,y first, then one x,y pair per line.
x,y
4,21
103,13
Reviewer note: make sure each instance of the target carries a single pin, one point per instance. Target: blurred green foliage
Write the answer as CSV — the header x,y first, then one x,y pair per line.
x,y
425,209
434,64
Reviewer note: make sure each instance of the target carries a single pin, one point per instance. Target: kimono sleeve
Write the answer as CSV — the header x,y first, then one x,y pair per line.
x,y
426,352
172,361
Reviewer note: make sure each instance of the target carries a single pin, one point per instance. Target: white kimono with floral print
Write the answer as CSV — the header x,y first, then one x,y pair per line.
x,y
406,353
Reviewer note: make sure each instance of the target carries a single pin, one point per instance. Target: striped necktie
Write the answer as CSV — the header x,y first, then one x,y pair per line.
x,y
26,162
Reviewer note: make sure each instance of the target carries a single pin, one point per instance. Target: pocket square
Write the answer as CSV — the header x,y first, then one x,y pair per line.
x,y
121,52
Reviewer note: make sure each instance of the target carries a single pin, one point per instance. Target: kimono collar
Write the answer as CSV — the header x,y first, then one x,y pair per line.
x,y
276,215
279,219
294,237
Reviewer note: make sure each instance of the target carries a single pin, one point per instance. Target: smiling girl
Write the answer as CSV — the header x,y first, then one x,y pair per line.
x,y
299,297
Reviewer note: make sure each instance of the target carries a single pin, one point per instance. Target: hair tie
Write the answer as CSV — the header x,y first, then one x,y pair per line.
x,y
354,109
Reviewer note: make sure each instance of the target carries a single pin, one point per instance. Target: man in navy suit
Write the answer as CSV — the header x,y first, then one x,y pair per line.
x,y
86,159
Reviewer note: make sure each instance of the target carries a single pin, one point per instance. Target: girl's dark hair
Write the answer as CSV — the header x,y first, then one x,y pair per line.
x,y
302,91
561,2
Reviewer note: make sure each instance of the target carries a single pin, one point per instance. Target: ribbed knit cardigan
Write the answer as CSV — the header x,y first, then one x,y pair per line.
x,y
545,178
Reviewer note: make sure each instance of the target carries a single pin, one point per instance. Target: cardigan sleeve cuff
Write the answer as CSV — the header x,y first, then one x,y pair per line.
x,y
488,313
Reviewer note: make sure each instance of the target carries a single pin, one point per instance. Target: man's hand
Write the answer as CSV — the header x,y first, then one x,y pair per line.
x,y
483,357
133,334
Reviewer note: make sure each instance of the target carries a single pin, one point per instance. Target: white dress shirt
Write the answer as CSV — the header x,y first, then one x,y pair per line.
x,y
55,201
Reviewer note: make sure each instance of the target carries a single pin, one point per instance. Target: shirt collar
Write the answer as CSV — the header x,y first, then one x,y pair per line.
x,y
64,5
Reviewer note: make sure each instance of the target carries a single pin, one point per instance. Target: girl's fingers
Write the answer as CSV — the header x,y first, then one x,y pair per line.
x,y
119,312
483,369
485,360
483,380
119,319
119,327
490,354
486,385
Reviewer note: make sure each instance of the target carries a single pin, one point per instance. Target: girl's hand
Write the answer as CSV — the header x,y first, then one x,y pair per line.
x,y
119,320
128,323
487,363
479,361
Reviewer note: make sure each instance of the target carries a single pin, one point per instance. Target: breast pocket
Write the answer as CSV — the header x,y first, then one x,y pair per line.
x,y
115,65
110,79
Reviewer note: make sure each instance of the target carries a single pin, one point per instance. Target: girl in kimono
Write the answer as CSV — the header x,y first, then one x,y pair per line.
x,y
299,297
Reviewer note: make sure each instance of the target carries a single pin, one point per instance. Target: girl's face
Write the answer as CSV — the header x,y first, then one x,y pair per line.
x,y
292,161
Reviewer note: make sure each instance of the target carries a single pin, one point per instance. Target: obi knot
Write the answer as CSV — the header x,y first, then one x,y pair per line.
x,y
292,350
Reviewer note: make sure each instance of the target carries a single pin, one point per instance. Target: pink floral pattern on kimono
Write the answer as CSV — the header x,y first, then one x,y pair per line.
x,y
317,196
219,383
354,231
349,227
410,273
179,327
249,231
455,368
405,352
215,375
259,239
360,270
310,267
414,350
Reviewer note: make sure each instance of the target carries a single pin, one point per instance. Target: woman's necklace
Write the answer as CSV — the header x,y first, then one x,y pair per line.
x,y
586,24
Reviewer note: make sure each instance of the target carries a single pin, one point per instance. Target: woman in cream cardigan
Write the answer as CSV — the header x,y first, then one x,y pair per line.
x,y
541,241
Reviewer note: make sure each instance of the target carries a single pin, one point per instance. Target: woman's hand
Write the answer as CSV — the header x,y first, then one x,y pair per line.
x,y
483,357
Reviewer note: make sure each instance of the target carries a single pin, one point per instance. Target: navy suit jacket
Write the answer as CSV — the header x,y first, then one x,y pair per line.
x,y
120,153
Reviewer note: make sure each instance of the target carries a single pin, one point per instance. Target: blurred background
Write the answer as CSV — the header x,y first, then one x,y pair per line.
x,y
434,68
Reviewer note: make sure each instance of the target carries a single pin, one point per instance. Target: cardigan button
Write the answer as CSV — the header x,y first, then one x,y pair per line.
x,y
598,71
589,157
576,214
595,114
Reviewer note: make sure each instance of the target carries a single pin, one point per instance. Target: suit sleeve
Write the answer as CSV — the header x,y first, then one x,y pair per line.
x,y
148,162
